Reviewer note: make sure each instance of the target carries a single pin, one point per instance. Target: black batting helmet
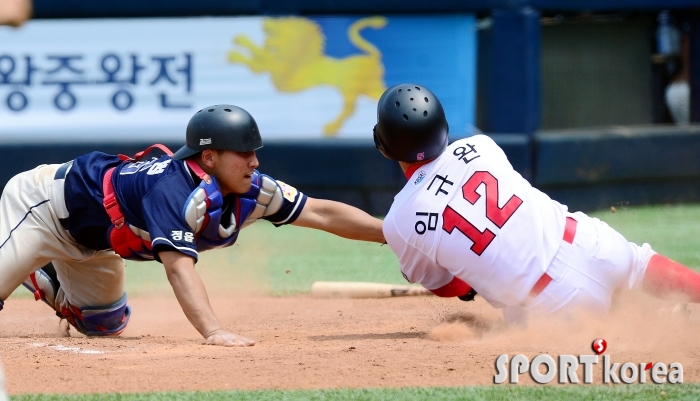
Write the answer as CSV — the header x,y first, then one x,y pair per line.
x,y
220,127
411,124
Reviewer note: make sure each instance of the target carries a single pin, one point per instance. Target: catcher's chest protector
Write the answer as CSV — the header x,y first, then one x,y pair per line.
x,y
205,210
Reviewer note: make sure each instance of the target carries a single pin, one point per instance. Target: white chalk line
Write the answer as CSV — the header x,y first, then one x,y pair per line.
x,y
60,347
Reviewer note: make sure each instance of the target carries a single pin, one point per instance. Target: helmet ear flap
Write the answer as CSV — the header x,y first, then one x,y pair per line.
x,y
378,143
376,139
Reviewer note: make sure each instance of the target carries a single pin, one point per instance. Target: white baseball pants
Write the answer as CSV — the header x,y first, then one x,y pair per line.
x,y
31,236
587,272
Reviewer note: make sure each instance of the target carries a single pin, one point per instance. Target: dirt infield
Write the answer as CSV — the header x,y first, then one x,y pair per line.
x,y
306,343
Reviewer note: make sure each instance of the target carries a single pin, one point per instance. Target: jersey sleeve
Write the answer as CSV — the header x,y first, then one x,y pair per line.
x,y
293,202
415,266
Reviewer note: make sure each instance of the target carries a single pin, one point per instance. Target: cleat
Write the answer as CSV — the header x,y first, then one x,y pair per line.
x,y
44,284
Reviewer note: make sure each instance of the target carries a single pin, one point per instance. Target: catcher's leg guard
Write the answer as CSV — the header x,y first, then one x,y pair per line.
x,y
105,320
44,284
89,320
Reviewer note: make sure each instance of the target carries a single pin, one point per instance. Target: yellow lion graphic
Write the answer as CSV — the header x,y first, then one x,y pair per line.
x,y
294,56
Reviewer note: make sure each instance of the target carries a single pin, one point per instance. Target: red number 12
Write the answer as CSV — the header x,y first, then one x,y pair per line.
x,y
498,215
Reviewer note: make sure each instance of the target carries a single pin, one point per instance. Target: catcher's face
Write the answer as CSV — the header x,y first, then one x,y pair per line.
x,y
234,170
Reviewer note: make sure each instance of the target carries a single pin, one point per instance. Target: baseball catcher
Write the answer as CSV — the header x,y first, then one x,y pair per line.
x,y
65,229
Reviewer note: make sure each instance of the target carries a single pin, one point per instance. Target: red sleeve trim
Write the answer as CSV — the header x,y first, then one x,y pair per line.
x,y
455,288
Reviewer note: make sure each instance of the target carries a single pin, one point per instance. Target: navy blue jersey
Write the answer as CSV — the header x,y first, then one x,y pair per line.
x,y
152,196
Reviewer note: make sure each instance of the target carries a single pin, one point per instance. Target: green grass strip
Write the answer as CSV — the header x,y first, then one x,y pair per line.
x,y
485,393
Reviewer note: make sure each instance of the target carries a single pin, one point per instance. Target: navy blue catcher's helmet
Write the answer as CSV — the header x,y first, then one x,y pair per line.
x,y
220,127
411,124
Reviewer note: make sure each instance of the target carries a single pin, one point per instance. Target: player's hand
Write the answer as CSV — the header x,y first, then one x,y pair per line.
x,y
228,339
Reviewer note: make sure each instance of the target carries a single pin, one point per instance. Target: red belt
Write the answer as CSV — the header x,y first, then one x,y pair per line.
x,y
569,234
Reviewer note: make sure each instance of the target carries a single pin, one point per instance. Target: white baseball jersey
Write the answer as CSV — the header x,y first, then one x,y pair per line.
x,y
469,214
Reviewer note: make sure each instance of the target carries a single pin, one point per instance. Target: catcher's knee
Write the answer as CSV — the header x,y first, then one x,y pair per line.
x,y
106,320
89,320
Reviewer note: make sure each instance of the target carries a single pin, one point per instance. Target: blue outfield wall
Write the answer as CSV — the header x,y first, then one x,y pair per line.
x,y
599,168
617,154
584,169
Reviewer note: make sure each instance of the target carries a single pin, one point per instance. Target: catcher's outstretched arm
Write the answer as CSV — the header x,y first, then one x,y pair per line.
x,y
192,296
340,219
